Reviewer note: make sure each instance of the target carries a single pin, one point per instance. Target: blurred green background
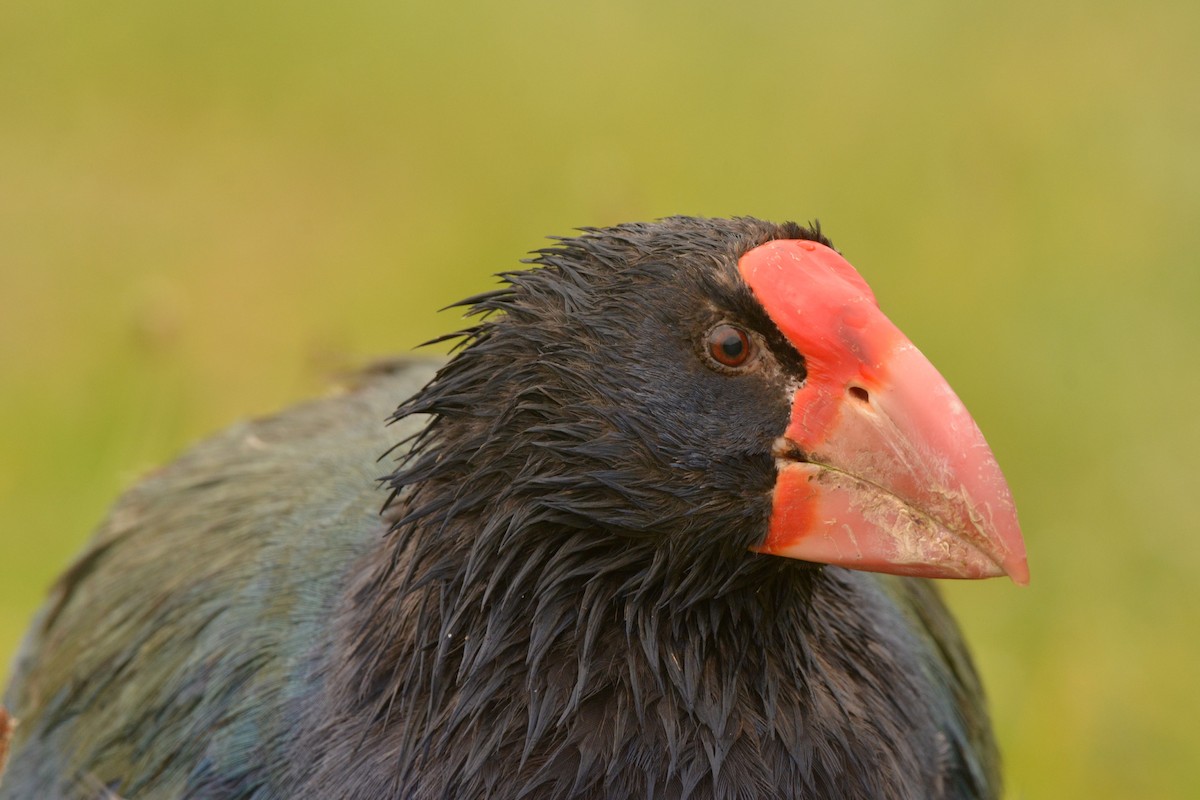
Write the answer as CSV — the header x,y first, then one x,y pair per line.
x,y
209,210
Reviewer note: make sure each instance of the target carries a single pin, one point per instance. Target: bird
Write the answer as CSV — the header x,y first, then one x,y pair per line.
x,y
663,524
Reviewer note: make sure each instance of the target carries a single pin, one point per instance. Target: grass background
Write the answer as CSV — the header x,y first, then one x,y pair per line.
x,y
206,210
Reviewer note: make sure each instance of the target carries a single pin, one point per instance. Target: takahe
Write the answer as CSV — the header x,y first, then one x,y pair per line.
x,y
630,547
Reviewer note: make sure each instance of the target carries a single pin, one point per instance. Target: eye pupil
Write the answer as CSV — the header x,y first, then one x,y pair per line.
x,y
729,345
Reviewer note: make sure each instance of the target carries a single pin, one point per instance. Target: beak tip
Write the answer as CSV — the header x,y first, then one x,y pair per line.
x,y
1018,571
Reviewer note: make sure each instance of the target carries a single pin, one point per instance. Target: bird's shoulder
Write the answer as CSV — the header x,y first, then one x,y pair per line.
x,y
970,762
171,618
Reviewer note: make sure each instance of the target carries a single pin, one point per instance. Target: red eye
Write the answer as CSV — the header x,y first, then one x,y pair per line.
x,y
729,346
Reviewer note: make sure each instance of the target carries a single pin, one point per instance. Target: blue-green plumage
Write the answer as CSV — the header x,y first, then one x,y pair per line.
x,y
176,652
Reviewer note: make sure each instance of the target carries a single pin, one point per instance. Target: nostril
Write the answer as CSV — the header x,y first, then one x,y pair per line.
x,y
860,394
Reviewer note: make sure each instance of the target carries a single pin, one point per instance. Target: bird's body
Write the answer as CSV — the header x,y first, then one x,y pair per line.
x,y
173,658
558,600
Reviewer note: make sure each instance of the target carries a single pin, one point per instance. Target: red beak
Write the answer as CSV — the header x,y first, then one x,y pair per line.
x,y
881,467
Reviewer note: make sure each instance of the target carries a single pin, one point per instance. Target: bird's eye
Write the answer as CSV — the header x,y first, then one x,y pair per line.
x,y
729,345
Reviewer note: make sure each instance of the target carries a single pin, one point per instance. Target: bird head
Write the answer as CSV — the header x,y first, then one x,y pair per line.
x,y
719,388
